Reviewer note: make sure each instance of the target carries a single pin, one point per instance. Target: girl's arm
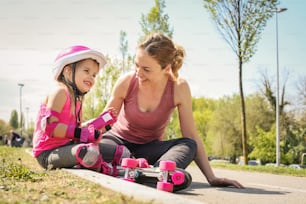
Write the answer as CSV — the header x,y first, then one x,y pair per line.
x,y
56,102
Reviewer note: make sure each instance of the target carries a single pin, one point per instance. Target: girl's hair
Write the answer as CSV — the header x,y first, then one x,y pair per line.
x,y
162,49
61,78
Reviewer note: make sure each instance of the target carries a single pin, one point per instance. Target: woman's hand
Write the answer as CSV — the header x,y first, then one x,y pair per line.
x,y
224,182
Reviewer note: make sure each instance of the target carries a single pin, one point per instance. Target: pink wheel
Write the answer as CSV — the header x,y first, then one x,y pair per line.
x,y
167,166
129,163
165,186
178,177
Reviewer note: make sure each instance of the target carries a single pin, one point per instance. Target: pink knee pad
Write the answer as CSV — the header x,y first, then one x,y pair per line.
x,y
120,153
88,155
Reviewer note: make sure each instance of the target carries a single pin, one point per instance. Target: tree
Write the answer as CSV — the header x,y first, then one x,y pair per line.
x,y
14,119
301,114
224,127
291,124
240,22
203,109
97,98
4,128
264,145
301,86
156,21
123,48
267,91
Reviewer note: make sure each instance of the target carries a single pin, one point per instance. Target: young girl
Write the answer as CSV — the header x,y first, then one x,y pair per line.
x,y
59,139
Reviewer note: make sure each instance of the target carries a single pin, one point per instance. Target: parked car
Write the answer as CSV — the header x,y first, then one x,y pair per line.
x,y
274,164
295,166
250,162
253,162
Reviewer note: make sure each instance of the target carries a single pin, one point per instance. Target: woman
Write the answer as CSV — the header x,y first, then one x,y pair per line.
x,y
146,99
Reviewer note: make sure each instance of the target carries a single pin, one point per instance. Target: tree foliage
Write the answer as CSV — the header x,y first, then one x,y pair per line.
x,y
264,145
97,98
123,48
241,22
4,128
14,120
224,128
156,21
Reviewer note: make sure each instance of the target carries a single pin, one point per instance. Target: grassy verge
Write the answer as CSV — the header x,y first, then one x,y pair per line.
x,y
24,181
264,169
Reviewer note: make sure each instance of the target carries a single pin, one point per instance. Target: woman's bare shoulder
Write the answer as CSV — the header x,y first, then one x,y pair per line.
x,y
126,77
122,85
181,83
181,90
124,80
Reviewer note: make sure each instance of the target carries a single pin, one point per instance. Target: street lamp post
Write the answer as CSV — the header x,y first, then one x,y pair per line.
x,y
20,97
278,10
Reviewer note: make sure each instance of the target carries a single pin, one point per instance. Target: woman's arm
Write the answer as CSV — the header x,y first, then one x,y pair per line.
x,y
183,100
118,93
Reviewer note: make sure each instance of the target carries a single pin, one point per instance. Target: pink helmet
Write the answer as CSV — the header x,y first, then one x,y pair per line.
x,y
74,54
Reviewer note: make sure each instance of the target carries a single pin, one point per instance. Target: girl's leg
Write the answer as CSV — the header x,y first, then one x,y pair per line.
x,y
62,157
181,150
66,156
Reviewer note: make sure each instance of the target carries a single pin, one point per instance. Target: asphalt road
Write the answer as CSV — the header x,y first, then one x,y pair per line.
x,y
260,188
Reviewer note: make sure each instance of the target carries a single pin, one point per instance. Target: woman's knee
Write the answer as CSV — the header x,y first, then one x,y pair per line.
x,y
191,143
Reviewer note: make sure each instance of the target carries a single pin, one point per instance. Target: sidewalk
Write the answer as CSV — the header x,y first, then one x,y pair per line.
x,y
137,191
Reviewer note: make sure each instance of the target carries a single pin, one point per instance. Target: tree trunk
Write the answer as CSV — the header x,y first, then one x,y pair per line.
x,y
243,116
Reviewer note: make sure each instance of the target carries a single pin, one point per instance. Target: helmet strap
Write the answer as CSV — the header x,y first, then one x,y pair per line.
x,y
77,94
76,91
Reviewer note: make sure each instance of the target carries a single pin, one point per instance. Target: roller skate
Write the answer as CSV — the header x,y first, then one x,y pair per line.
x,y
166,177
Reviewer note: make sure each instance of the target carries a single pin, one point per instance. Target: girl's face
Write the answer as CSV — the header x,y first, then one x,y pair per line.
x,y
85,74
147,68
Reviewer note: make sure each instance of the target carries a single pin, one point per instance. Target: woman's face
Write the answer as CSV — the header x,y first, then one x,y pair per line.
x,y
85,74
147,68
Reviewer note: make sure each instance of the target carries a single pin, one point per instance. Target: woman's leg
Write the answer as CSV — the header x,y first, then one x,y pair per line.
x,y
110,138
119,150
181,150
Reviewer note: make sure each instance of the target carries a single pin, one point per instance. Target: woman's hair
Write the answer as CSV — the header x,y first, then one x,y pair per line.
x,y
162,49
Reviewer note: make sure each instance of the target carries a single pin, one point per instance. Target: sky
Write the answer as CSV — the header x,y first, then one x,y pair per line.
x,y
33,32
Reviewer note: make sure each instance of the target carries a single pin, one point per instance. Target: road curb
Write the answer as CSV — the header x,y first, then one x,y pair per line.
x,y
137,191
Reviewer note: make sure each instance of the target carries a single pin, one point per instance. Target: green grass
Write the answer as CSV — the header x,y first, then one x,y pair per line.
x,y
24,181
263,169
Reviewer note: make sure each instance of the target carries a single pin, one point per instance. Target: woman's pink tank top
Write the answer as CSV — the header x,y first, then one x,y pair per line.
x,y
42,141
140,127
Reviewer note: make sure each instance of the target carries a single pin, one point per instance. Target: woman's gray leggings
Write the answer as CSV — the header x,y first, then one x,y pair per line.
x,y
182,150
